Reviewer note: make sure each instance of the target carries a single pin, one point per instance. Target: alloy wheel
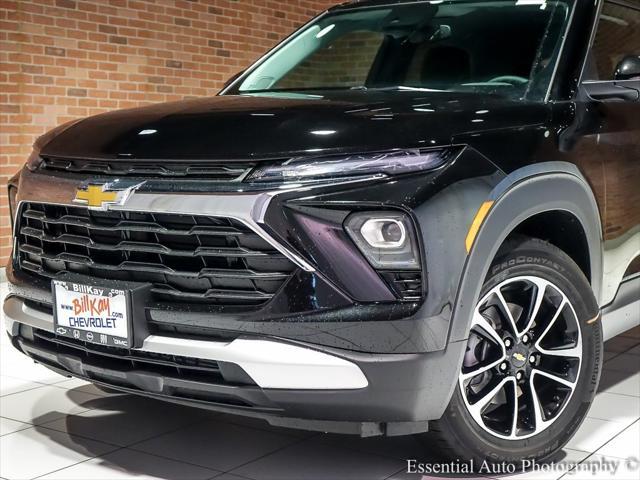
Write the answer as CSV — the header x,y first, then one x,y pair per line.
x,y
523,358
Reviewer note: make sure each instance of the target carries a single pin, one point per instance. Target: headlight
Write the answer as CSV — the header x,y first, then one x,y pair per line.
x,y
384,233
390,163
387,239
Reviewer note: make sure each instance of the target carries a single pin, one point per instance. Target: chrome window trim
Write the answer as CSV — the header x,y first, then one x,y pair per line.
x,y
552,81
592,39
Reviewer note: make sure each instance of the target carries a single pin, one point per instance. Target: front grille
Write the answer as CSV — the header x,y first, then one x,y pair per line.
x,y
123,360
200,382
187,259
137,168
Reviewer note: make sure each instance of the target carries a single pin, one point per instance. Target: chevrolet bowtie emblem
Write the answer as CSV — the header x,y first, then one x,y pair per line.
x,y
103,196
95,196
519,357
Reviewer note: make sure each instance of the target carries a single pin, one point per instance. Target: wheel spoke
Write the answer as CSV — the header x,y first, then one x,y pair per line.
x,y
554,319
553,377
507,312
541,288
481,322
566,351
477,407
537,411
484,368
569,352
514,424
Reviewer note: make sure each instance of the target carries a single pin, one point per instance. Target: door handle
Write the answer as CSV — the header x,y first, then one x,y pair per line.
x,y
626,94
602,91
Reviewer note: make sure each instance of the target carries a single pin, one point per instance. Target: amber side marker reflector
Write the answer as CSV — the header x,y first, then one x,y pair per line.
x,y
594,319
477,223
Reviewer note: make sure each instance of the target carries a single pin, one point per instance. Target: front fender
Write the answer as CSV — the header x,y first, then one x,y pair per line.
x,y
535,189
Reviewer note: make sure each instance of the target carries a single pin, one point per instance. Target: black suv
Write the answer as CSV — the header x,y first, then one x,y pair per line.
x,y
408,217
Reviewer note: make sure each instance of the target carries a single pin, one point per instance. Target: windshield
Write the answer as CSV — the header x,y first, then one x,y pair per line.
x,y
502,47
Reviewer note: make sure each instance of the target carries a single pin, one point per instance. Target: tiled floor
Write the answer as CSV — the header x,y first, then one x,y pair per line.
x,y
53,427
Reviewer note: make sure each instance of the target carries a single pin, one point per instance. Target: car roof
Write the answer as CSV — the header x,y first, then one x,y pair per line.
x,y
373,3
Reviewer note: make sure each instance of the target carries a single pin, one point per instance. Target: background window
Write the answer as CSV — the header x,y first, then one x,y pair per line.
x,y
618,36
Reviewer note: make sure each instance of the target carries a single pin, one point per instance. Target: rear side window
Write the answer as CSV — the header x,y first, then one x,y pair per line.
x,y
618,35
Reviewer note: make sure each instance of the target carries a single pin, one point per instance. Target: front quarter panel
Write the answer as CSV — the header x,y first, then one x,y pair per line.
x,y
442,204
531,190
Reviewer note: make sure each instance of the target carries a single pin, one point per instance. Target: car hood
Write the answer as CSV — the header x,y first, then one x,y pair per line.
x,y
276,125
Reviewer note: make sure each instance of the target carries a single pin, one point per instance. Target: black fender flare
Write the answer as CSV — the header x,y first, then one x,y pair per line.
x,y
537,188
531,190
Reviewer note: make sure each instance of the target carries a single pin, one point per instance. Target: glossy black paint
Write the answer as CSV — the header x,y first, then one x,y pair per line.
x,y
345,294
628,68
397,401
279,126
496,137
410,351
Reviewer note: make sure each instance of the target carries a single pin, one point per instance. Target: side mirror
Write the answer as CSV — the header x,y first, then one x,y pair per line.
x,y
628,68
232,79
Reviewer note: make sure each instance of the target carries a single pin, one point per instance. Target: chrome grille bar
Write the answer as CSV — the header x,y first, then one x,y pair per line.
x,y
186,258
140,168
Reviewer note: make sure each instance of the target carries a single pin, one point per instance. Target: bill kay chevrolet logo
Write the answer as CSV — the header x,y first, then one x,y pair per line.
x,y
102,196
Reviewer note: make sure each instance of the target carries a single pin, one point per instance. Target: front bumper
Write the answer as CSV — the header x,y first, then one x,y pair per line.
x,y
288,384
333,299
269,363
357,359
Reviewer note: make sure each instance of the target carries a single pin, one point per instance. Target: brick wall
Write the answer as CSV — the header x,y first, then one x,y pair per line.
x,y
346,62
63,59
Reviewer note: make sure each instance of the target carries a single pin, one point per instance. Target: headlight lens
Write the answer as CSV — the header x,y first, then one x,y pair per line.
x,y
390,163
387,239
385,233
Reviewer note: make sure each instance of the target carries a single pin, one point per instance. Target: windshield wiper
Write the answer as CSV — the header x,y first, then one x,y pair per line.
x,y
359,88
402,88
301,89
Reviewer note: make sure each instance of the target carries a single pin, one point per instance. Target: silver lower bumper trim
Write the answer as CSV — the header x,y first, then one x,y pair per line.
x,y
271,364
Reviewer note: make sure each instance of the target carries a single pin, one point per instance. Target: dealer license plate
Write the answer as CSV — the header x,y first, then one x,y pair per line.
x,y
92,314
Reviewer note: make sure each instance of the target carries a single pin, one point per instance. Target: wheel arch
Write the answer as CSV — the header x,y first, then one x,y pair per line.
x,y
522,201
562,229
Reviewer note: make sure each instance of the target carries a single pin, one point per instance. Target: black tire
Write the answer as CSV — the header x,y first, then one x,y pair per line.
x,y
458,436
